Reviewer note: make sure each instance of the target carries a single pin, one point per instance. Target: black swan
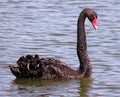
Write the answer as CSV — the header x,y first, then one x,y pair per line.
x,y
34,67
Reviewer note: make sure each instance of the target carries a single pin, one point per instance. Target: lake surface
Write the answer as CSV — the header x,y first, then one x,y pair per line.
x,y
48,28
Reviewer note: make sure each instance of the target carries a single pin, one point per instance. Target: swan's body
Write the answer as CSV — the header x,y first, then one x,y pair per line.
x,y
50,68
43,68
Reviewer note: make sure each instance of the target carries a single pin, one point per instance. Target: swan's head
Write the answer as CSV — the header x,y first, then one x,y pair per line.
x,y
92,16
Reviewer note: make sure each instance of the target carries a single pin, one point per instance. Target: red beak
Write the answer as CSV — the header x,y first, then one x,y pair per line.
x,y
94,23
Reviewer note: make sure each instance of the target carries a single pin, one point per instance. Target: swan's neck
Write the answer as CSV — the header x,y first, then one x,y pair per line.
x,y
81,44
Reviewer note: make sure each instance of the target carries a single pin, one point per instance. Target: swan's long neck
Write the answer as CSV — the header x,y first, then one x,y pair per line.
x,y
82,45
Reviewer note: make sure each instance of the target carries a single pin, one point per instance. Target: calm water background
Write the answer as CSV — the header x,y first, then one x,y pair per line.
x,y
48,28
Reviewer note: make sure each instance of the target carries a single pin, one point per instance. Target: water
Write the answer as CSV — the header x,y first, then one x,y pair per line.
x,y
48,28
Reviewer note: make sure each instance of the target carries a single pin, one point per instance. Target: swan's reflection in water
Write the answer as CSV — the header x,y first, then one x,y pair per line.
x,y
53,88
85,86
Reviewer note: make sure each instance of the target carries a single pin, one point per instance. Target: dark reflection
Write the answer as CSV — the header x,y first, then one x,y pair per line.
x,y
64,87
37,82
85,86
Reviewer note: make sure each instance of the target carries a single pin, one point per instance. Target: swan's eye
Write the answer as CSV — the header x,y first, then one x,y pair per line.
x,y
94,23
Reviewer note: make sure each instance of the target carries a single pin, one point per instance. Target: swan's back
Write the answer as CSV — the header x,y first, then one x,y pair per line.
x,y
42,68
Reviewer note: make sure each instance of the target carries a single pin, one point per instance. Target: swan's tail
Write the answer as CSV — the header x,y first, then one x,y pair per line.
x,y
28,67
15,71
